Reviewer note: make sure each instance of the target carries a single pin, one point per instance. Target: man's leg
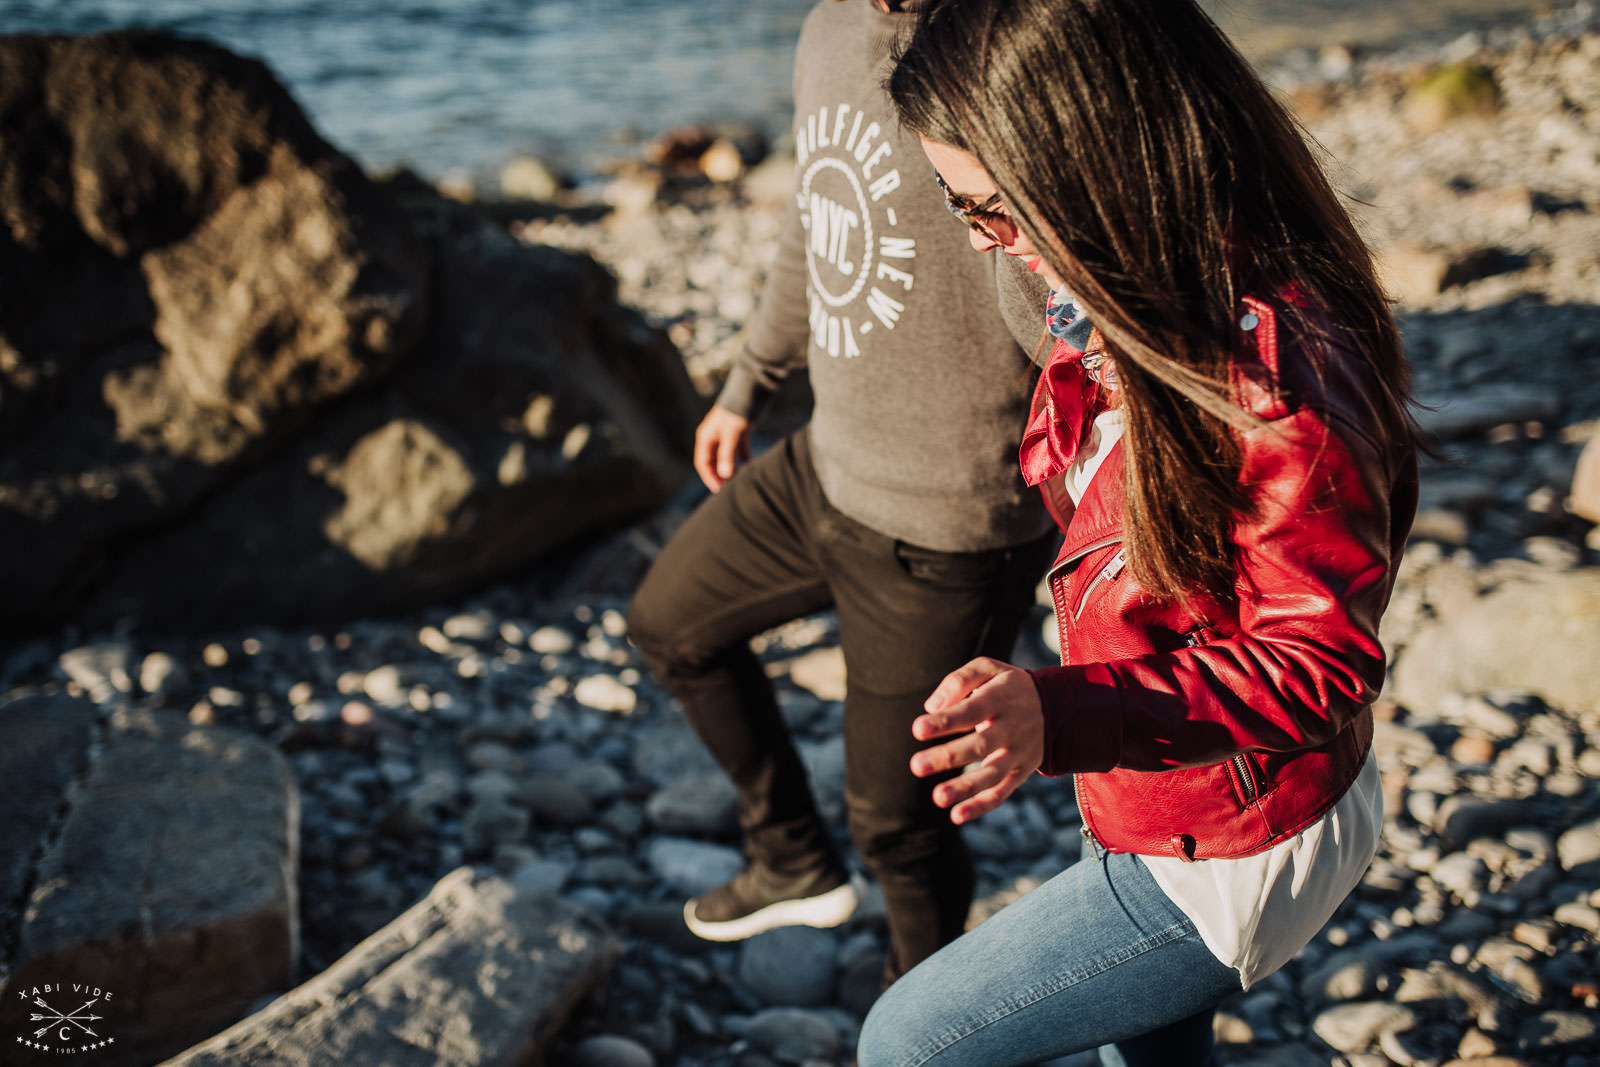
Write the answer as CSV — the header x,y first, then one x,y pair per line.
x,y
741,564
907,617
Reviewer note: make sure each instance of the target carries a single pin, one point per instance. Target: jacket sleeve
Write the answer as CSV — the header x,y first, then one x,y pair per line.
x,y
1315,573
775,344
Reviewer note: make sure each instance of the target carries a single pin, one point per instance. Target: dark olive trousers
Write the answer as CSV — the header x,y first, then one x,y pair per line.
x,y
769,548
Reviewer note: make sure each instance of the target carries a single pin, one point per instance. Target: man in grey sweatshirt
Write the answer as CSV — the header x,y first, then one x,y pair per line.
x,y
899,506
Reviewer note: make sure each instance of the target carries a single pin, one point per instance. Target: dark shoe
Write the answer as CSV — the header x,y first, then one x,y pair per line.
x,y
757,900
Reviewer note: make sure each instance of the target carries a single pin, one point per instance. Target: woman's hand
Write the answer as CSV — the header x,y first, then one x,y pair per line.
x,y
721,444
994,708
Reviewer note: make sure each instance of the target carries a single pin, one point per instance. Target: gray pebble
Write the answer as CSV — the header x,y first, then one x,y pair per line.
x,y
792,965
700,804
692,867
609,1050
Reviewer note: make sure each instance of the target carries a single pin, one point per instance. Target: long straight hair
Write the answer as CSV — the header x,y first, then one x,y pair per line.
x,y
1161,179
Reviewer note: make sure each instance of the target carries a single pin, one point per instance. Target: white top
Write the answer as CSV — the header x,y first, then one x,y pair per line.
x,y
1106,432
1255,912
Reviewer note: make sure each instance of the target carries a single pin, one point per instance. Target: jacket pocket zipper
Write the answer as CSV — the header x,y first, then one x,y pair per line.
x,y
1248,790
1247,782
1110,572
1058,587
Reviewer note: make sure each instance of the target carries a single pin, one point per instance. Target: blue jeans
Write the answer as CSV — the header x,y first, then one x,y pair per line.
x,y
1096,956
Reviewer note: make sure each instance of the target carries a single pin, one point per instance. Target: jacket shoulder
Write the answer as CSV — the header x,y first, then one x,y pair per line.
x,y
1293,362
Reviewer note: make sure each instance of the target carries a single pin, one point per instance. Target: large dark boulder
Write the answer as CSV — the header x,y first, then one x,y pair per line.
x,y
242,382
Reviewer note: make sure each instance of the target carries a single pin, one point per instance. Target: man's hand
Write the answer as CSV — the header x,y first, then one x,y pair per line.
x,y
994,709
721,445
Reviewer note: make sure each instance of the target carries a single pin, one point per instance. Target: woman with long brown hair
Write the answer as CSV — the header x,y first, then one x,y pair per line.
x,y
1228,451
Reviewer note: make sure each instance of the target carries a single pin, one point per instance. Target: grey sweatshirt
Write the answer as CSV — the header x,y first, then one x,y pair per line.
x,y
920,382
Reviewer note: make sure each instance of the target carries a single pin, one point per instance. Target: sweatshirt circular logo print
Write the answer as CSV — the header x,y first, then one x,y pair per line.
x,y
858,268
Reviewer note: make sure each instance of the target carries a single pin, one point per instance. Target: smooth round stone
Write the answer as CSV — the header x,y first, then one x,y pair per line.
x,y
792,1035
603,692
692,867
701,804
551,641
610,1050
792,965
554,800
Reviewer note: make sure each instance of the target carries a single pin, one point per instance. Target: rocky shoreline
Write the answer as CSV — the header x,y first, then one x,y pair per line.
x,y
518,728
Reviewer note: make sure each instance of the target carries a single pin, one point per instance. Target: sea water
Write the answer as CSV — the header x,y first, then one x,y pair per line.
x,y
463,86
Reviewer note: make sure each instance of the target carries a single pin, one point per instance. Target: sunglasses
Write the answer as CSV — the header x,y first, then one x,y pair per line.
x,y
980,216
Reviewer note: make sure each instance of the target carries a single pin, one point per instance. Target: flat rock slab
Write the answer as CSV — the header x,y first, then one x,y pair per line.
x,y
480,973
169,882
46,747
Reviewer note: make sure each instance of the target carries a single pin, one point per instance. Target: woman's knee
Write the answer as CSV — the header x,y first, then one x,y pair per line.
x,y
897,1028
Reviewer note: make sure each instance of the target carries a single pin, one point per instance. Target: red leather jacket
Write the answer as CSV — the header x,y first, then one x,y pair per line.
x,y
1205,729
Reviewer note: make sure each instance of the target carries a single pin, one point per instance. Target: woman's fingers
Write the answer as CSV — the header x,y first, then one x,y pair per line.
x,y
961,681
993,710
956,705
936,759
978,791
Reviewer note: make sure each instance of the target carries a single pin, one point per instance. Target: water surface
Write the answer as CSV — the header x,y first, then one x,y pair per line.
x,y
445,85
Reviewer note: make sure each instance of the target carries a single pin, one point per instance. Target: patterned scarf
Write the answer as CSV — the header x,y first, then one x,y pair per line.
x,y
1068,323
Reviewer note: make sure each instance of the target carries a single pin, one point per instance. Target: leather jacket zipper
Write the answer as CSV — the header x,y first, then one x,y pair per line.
x,y
1057,587
1083,825
1113,568
1247,782
1061,565
1248,790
